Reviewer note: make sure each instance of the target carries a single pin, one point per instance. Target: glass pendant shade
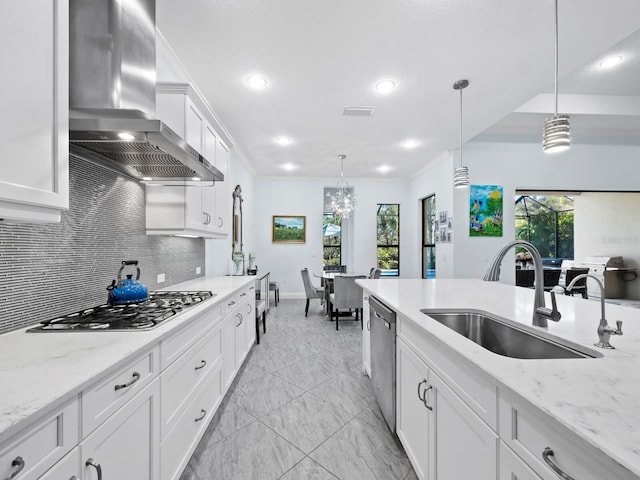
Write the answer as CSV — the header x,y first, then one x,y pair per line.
x,y
461,177
556,136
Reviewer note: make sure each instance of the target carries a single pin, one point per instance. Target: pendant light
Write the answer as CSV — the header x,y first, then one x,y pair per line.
x,y
342,202
555,137
461,173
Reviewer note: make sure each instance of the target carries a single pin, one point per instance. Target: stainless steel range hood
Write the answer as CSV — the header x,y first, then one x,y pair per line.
x,y
112,95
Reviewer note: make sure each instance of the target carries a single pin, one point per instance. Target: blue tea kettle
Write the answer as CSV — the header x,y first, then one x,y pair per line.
x,y
128,290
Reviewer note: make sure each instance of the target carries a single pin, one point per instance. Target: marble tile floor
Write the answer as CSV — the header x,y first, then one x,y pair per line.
x,y
300,409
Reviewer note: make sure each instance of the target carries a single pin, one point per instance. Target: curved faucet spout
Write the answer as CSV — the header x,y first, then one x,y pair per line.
x,y
540,312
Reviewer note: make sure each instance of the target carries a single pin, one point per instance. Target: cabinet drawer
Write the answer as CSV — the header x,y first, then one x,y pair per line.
x,y
512,467
40,446
179,445
528,432
476,389
66,469
171,348
179,380
229,304
110,393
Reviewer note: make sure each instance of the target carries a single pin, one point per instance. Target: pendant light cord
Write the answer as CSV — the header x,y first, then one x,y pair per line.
x,y
556,56
461,127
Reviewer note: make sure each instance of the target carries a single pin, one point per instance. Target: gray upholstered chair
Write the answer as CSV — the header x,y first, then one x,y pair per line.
x,y
346,294
376,273
310,290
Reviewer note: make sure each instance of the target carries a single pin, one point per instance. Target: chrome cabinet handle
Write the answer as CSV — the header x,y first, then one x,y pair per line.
x,y
17,464
136,377
74,478
248,308
240,317
243,294
424,395
92,463
232,303
220,222
203,363
204,414
546,456
369,325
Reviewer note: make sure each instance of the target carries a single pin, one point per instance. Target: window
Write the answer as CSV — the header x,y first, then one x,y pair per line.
x,y
389,239
547,223
429,237
331,240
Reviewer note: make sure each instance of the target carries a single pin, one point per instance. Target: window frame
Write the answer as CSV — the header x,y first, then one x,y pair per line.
x,y
392,245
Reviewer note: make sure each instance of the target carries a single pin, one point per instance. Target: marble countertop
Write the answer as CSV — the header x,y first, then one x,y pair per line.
x,y
39,371
596,398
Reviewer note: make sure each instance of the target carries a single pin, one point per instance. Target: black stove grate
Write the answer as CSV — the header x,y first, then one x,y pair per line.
x,y
146,315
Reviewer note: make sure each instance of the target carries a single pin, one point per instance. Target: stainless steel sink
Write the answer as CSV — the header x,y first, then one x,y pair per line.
x,y
507,338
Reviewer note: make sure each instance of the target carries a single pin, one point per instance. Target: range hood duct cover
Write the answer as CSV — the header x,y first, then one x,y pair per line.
x,y
112,89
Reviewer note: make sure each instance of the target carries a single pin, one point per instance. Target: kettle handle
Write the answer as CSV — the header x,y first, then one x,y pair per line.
x,y
124,264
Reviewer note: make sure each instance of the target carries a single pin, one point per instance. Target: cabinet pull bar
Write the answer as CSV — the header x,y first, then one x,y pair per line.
x,y
17,464
136,377
546,456
203,363
420,397
92,463
220,222
204,414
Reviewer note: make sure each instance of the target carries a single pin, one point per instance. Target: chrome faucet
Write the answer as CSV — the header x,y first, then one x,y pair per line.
x,y
604,330
540,312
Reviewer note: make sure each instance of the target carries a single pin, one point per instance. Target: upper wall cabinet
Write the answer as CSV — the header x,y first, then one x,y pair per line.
x,y
201,211
34,150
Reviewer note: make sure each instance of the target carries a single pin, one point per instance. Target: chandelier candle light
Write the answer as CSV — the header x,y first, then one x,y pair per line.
x,y
556,129
461,173
342,202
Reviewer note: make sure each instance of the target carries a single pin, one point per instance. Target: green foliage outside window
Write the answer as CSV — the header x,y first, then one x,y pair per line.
x,y
388,239
332,242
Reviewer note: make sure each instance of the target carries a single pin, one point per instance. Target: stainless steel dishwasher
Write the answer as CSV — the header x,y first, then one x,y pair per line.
x,y
383,358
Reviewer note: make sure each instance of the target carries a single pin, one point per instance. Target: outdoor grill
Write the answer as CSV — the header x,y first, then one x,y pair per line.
x,y
610,272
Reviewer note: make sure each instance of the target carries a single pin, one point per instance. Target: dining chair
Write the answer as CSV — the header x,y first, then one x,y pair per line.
x,y
309,290
551,277
376,273
373,269
580,286
346,294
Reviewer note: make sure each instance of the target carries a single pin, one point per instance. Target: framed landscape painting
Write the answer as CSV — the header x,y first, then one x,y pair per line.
x,y
289,229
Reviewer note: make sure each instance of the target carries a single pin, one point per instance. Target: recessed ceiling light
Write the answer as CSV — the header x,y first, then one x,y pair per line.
x,y
410,143
147,179
283,140
289,166
384,168
385,86
195,179
256,82
126,136
611,61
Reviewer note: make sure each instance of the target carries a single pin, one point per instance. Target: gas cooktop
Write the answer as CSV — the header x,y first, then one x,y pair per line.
x,y
160,306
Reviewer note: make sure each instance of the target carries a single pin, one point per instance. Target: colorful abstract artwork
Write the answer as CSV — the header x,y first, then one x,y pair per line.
x,y
485,211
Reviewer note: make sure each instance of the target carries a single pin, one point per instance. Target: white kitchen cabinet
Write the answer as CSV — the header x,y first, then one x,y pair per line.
x,y
127,444
190,210
34,138
229,325
249,306
437,428
238,332
366,336
66,469
528,433
38,447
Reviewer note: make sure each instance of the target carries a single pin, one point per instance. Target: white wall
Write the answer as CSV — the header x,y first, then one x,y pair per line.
x,y
305,197
609,224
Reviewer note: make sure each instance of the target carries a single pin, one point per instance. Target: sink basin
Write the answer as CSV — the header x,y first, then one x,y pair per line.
x,y
503,337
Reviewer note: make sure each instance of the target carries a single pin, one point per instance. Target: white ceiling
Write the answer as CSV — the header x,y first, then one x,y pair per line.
x,y
320,56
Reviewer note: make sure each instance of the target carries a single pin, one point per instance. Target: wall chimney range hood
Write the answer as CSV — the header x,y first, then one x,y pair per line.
x,y
112,96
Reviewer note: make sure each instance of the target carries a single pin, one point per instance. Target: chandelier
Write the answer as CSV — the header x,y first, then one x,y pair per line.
x,y
343,202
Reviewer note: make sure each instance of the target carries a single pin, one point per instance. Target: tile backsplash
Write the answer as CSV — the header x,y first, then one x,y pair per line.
x,y
55,269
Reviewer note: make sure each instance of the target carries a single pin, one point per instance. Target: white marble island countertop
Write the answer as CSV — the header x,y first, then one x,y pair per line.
x,y
596,398
41,370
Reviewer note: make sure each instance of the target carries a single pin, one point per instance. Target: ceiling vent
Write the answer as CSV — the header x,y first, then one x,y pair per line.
x,y
359,111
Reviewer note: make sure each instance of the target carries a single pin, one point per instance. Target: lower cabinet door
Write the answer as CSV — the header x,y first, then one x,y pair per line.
x,y
413,417
512,467
68,468
465,446
126,445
